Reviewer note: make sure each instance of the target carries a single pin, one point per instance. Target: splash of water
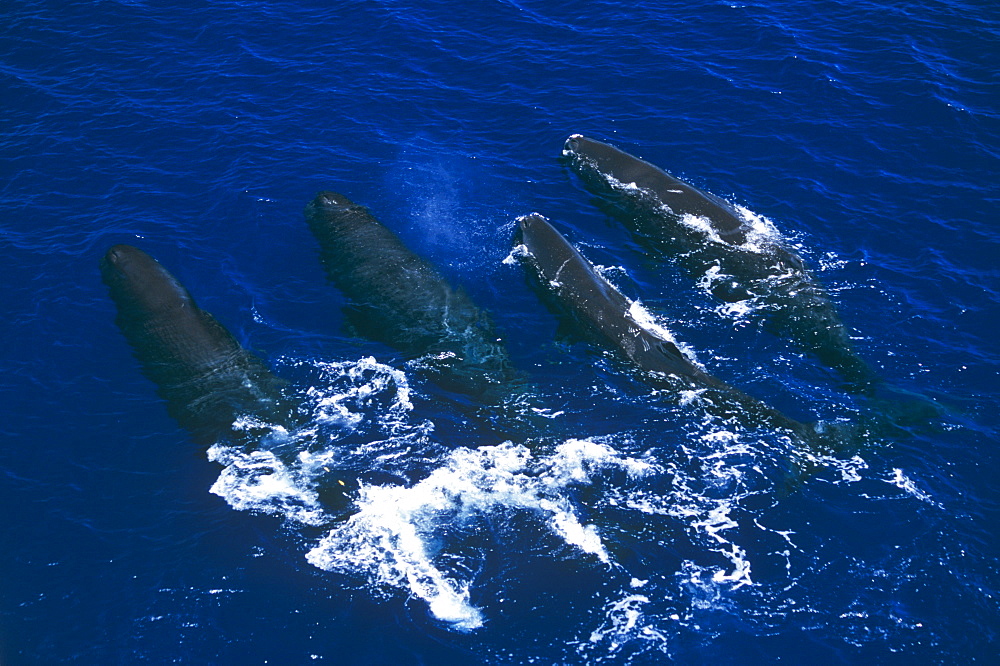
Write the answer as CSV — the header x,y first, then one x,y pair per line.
x,y
394,538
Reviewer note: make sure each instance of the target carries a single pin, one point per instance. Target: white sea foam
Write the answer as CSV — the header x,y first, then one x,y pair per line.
x,y
712,276
906,484
395,539
706,516
517,253
350,389
422,539
645,319
624,621
258,481
850,468
689,396
738,310
710,473
717,521
702,225
277,472
760,231
631,187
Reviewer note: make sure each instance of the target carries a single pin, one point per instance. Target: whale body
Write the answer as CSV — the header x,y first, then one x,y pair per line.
x,y
400,299
709,237
599,305
609,315
207,378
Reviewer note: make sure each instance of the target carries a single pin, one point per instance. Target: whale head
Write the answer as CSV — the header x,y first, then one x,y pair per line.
x,y
547,249
333,200
333,216
139,284
583,153
534,231
572,144
577,146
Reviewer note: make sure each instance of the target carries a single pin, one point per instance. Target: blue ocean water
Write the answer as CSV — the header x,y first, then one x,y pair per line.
x,y
867,133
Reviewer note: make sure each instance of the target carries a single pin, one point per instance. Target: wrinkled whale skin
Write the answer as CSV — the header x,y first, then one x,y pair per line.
x,y
400,299
207,378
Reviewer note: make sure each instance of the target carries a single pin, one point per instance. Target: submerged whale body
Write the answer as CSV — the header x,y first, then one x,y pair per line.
x,y
207,378
608,314
710,238
401,300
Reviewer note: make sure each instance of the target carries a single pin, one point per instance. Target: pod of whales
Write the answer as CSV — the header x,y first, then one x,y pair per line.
x,y
401,300
609,316
713,241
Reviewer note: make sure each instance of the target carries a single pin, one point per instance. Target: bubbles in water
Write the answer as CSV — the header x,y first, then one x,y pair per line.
x,y
259,481
518,252
906,484
424,538
762,235
624,622
348,392
396,537
280,470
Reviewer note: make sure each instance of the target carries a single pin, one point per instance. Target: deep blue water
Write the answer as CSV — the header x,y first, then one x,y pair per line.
x,y
868,133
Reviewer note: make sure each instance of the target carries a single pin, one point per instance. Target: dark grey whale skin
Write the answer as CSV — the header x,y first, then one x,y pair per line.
x,y
594,302
401,300
601,307
795,305
207,378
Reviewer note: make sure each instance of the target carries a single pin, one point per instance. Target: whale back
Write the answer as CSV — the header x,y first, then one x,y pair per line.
x,y
593,300
599,305
603,161
400,299
764,268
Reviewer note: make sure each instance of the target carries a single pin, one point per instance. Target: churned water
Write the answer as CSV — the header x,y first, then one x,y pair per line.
x,y
631,526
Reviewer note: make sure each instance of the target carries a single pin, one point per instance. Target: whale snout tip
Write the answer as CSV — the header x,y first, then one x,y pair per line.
x,y
572,143
528,221
333,200
116,254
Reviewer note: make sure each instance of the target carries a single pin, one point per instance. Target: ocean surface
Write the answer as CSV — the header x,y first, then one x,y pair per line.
x,y
633,528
